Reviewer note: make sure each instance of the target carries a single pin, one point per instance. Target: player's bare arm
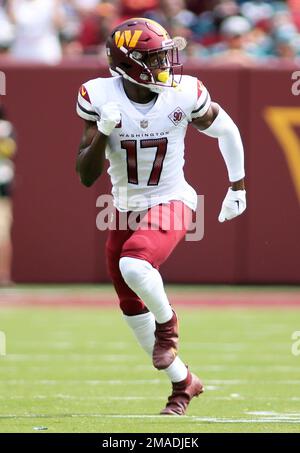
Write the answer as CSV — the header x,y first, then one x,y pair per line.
x,y
91,155
206,120
216,123
90,160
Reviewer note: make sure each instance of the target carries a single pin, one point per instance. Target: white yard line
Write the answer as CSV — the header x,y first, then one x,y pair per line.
x,y
279,418
63,396
70,356
211,382
76,382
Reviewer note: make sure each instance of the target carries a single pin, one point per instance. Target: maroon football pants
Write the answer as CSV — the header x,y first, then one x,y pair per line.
x,y
159,231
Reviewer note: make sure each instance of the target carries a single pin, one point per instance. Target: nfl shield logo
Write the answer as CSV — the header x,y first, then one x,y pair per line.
x,y
144,124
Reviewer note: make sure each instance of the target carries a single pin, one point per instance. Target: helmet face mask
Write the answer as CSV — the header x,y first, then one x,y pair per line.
x,y
140,50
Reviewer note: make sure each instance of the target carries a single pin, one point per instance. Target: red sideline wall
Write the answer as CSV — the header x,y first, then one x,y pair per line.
x,y
54,233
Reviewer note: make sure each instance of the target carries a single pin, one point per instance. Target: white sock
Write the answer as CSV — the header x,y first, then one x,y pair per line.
x,y
143,327
147,283
177,371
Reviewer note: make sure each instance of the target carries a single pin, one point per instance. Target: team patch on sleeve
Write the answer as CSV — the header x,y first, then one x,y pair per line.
x,y
203,101
84,106
83,92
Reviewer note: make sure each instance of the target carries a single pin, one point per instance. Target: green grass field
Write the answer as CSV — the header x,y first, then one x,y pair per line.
x,y
81,370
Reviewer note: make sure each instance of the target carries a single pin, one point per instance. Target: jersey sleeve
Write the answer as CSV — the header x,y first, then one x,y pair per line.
x,y
84,107
203,101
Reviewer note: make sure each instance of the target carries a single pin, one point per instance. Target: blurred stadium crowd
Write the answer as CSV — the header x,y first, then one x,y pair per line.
x,y
236,31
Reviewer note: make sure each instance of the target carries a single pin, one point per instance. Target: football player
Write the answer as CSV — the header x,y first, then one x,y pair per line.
x,y
138,119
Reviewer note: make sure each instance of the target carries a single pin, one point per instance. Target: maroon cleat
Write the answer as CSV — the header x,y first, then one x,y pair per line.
x,y
182,394
166,343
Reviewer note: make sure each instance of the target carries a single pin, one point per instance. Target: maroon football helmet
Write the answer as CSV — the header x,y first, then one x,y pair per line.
x,y
142,51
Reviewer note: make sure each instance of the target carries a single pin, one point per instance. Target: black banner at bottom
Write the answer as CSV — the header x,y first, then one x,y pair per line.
x,y
135,442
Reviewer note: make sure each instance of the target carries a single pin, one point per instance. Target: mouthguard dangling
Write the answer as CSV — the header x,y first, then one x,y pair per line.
x,y
163,76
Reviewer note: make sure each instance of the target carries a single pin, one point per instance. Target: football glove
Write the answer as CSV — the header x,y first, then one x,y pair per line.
x,y
233,205
110,116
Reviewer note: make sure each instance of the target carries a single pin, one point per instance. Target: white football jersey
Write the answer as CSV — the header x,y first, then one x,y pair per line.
x,y
146,150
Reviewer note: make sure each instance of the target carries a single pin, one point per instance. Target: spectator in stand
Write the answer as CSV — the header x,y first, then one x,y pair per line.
x,y
135,8
179,21
173,15
233,49
44,29
6,30
36,30
286,45
209,22
95,18
257,12
285,36
70,31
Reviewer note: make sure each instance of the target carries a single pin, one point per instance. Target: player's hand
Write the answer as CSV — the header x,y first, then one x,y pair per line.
x,y
110,116
233,205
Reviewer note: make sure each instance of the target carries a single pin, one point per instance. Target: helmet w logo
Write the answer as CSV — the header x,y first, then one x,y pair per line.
x,y
127,38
